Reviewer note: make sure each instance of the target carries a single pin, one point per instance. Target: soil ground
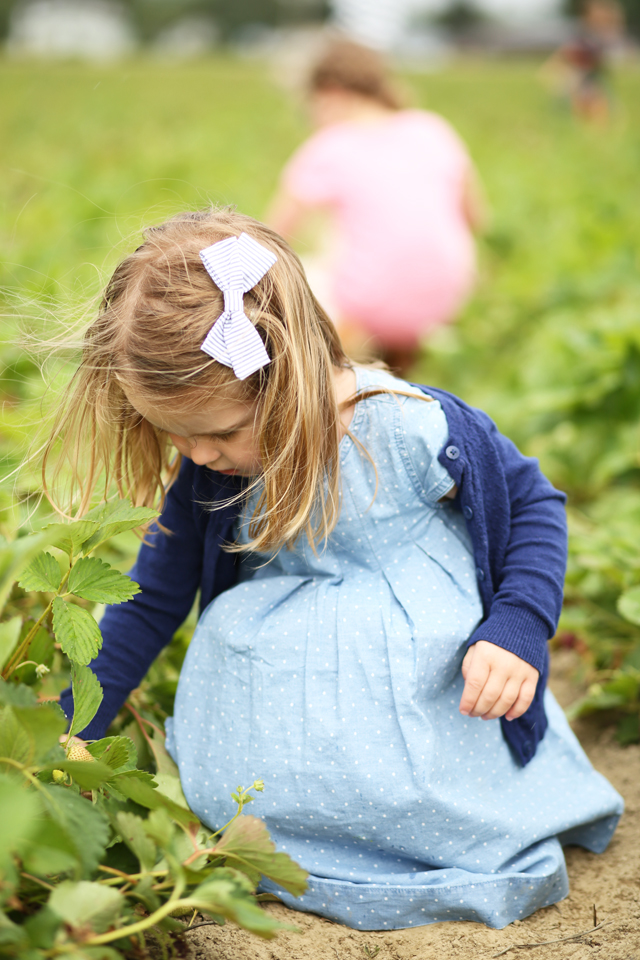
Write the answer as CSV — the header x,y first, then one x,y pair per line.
x,y
608,885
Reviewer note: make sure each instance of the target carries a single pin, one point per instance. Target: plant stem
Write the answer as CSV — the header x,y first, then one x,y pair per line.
x,y
150,921
24,646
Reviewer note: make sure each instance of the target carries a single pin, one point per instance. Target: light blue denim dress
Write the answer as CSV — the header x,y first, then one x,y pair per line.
x,y
336,678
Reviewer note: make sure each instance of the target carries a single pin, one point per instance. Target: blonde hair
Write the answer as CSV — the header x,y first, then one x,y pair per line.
x,y
157,309
345,65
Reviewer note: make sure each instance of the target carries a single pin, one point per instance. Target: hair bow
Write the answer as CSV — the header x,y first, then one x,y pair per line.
x,y
236,265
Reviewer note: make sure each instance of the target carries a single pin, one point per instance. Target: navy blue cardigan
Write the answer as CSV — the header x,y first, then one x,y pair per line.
x,y
517,524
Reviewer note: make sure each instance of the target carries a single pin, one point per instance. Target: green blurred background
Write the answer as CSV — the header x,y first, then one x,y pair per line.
x,y
549,346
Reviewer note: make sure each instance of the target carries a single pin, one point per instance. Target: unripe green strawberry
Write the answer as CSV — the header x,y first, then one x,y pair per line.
x,y
78,752
60,776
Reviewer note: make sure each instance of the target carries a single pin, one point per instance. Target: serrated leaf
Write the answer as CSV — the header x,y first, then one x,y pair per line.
x,y
248,840
116,752
143,790
629,605
86,904
132,830
70,536
49,850
43,573
89,775
93,579
87,697
83,823
16,694
227,893
41,927
76,631
116,517
18,554
15,742
44,723
9,634
18,811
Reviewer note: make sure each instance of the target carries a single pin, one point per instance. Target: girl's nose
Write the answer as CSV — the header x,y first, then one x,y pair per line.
x,y
203,453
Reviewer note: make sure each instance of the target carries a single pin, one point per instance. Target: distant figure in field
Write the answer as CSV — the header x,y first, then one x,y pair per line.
x,y
582,65
402,200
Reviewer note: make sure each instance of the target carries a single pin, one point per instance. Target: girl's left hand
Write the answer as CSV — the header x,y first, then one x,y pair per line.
x,y
497,683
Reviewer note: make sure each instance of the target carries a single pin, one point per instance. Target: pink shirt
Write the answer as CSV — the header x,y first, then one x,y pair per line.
x,y
405,259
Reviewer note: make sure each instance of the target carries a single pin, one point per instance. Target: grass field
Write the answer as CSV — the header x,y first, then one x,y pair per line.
x,y
550,345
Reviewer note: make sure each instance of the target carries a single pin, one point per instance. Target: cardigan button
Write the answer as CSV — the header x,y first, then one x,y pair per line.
x,y
480,573
468,512
452,453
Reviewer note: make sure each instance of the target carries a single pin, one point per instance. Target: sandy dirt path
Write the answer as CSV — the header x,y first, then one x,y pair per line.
x,y
608,884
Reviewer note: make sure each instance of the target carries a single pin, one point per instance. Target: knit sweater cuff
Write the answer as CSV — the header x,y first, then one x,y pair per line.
x,y
518,630
112,700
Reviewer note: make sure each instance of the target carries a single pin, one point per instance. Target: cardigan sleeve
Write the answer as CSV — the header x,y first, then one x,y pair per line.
x,y
168,570
528,585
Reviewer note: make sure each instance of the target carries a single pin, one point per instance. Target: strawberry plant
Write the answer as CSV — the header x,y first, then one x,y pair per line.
x,y
95,851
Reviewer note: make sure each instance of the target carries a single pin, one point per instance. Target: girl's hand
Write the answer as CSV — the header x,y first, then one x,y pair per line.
x,y
497,683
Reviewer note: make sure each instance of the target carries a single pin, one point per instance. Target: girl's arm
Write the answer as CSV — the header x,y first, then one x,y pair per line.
x,y
508,651
169,571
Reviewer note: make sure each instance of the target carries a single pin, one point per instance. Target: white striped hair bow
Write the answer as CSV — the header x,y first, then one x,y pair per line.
x,y
236,265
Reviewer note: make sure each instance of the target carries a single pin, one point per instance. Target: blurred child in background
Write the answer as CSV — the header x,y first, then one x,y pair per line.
x,y
402,200
580,69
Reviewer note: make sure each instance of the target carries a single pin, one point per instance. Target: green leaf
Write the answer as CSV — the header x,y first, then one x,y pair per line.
x,y
86,904
15,742
143,790
629,605
70,536
88,774
227,893
9,634
247,840
49,850
19,809
16,695
76,631
628,730
132,830
44,724
18,554
87,697
83,823
43,573
116,517
92,579
116,752
42,927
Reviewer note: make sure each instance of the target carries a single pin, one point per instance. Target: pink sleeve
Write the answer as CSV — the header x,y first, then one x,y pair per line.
x,y
309,174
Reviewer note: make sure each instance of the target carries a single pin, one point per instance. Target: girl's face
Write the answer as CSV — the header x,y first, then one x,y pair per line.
x,y
220,435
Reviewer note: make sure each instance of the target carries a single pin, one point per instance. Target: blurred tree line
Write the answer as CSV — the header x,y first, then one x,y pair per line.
x,y
149,17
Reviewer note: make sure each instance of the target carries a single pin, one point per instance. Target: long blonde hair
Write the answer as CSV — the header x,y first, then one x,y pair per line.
x,y
157,309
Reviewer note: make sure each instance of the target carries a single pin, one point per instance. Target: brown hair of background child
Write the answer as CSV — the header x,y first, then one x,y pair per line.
x,y
348,66
157,309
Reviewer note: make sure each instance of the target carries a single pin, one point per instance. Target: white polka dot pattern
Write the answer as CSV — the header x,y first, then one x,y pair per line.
x,y
336,677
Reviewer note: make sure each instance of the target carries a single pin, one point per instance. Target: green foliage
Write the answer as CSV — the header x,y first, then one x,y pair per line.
x,y
85,834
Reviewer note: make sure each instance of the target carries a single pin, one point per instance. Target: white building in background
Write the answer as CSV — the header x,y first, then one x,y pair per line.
x,y
189,37
85,29
386,24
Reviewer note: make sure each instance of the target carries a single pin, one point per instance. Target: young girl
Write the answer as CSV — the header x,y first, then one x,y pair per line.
x,y
400,193
399,572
